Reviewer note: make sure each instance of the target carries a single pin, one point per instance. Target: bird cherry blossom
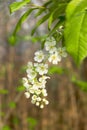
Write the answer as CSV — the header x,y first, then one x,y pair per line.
x,y
36,73
42,68
62,51
54,58
39,56
50,45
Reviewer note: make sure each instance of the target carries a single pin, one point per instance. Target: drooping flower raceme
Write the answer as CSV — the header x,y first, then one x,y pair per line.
x,y
36,87
35,82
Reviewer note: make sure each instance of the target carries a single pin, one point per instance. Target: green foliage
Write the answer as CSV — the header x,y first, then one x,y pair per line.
x,y
32,123
23,68
56,70
75,30
34,39
2,114
17,5
81,84
15,120
12,40
6,127
72,15
21,20
4,91
53,12
12,104
20,88
42,20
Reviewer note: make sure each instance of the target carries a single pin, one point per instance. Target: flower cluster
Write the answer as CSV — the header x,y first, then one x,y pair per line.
x,y
55,54
35,82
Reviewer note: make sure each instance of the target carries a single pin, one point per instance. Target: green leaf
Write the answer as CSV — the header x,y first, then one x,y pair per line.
x,y
20,88
50,19
17,5
76,30
43,10
3,91
42,20
21,20
57,25
6,127
12,105
56,70
32,122
81,84
57,13
12,40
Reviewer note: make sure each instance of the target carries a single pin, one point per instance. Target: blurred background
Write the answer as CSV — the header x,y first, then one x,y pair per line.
x,y
68,103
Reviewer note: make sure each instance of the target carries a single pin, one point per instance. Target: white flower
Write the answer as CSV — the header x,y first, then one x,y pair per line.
x,y
50,45
38,91
36,64
37,85
32,81
41,106
24,80
33,101
50,48
62,52
44,92
43,78
27,94
26,85
51,40
42,69
30,65
31,90
39,56
34,97
45,101
54,58
37,103
31,74
39,99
